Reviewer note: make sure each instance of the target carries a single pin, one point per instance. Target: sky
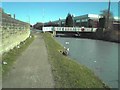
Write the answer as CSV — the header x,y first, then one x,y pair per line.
x,y
46,11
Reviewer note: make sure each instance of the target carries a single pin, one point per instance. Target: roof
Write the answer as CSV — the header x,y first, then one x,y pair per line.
x,y
7,18
94,16
117,18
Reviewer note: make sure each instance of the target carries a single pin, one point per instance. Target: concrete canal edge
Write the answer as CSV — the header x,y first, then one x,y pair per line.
x,y
66,72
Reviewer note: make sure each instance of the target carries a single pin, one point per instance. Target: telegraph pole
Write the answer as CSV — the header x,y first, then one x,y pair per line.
x,y
60,21
73,20
108,15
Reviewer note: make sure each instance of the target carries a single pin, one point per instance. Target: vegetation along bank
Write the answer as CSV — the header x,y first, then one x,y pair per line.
x,y
66,72
10,56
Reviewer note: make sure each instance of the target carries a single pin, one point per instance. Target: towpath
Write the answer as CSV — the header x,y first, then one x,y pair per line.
x,y
31,69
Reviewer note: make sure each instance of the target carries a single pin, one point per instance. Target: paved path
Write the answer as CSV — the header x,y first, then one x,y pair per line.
x,y
32,69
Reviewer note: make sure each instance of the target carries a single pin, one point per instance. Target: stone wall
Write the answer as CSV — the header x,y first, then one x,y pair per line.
x,y
12,32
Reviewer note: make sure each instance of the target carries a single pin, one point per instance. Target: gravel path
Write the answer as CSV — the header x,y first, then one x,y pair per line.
x,y
32,69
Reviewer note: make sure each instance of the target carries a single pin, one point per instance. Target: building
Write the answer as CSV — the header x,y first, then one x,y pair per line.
x,y
12,31
88,20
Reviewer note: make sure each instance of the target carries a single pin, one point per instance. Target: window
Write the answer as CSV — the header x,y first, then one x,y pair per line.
x,y
77,21
84,20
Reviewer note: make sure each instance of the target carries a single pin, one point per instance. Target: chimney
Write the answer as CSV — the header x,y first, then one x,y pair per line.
x,y
14,16
9,15
1,10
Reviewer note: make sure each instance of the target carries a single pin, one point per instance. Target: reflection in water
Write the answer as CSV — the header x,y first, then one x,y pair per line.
x,y
101,57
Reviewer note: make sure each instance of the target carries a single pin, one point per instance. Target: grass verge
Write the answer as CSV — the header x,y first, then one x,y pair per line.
x,y
13,54
66,72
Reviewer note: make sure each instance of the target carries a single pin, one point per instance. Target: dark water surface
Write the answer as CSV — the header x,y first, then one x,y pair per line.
x,y
100,56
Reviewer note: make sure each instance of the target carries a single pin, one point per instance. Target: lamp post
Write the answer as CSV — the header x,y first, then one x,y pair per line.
x,y
43,17
28,16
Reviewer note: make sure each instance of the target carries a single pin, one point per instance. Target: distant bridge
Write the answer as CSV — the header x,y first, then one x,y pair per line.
x,y
69,30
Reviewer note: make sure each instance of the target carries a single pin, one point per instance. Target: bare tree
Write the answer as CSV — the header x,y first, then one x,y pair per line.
x,y
108,19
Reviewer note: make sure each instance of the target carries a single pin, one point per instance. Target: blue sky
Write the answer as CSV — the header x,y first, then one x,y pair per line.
x,y
54,10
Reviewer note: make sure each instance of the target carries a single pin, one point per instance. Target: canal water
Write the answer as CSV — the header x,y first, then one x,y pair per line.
x,y
100,56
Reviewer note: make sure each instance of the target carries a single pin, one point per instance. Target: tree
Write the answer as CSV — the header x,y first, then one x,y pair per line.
x,y
102,22
108,18
69,21
106,22
90,23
